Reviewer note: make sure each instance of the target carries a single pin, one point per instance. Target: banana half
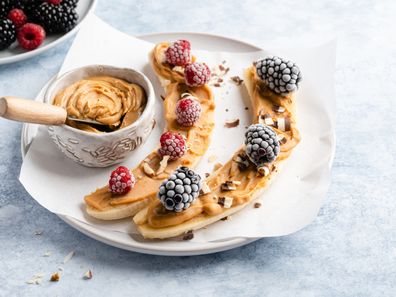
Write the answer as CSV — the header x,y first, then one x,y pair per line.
x,y
217,201
149,174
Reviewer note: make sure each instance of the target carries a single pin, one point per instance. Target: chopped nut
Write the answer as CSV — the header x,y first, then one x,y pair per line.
x,y
230,185
55,277
243,162
278,108
189,235
148,170
178,69
88,274
226,218
257,205
226,202
283,124
232,123
237,80
207,174
205,189
163,164
184,95
68,257
282,139
266,119
217,85
263,171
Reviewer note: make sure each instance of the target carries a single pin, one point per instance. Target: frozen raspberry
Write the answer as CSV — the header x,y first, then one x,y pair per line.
x,y
178,53
188,111
18,17
173,145
31,36
121,181
55,2
197,74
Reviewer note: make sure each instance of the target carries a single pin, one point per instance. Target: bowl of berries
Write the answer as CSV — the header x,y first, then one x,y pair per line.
x,y
30,27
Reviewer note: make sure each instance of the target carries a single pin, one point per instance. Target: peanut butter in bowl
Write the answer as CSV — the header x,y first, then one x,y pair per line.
x,y
113,102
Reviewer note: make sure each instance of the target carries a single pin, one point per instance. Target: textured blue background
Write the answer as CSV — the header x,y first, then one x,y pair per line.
x,y
349,250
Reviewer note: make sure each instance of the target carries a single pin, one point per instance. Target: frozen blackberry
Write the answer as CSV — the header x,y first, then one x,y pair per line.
x,y
55,18
280,75
7,33
262,145
180,189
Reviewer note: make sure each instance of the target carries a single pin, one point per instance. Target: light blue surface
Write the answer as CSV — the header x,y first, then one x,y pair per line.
x,y
349,250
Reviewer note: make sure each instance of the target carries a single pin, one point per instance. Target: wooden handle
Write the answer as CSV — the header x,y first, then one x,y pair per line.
x,y
30,111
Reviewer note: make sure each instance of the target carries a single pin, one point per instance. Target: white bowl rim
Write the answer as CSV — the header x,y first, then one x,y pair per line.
x,y
150,94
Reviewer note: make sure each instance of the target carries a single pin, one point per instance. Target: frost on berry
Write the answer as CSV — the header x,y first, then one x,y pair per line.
x,y
188,111
173,145
280,75
197,74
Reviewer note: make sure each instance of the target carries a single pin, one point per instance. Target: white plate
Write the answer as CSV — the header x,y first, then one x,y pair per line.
x,y
15,53
125,241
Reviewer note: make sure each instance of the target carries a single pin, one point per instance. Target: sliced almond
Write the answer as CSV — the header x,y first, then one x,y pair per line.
x,y
148,170
163,164
232,123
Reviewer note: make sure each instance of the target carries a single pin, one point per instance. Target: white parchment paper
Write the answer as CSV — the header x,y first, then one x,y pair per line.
x,y
289,204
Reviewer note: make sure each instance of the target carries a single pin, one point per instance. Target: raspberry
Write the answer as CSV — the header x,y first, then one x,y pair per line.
x,y
178,53
121,181
173,145
188,111
31,36
55,2
18,17
197,74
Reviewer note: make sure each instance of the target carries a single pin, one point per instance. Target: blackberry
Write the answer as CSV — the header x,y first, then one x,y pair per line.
x,y
28,6
262,145
180,189
280,75
69,3
55,18
5,7
7,33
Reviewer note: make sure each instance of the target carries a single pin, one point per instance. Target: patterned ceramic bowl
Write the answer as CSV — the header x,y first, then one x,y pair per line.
x,y
101,150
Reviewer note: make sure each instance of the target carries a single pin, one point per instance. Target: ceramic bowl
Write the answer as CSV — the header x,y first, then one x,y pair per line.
x,y
102,150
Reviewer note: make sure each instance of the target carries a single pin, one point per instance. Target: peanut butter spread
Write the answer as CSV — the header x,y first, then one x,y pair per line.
x,y
113,102
197,138
267,106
